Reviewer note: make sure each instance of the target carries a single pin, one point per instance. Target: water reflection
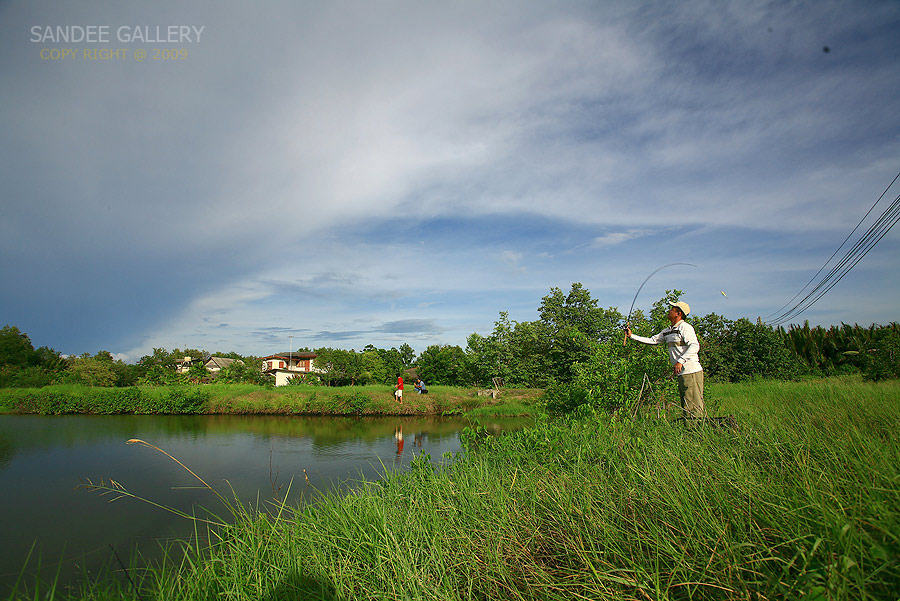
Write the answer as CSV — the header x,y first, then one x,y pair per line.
x,y
260,458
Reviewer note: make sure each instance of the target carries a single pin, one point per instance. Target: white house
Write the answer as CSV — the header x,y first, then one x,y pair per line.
x,y
182,366
212,364
285,366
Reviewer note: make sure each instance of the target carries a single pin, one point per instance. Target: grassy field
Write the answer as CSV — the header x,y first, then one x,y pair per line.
x,y
802,500
252,399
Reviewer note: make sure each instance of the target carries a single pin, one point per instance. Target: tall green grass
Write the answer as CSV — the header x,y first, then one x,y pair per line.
x,y
249,399
800,501
77,398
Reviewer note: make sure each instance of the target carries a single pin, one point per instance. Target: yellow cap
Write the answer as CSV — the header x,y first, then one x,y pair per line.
x,y
685,308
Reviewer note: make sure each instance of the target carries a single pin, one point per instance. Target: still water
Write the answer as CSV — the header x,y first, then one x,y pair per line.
x,y
43,459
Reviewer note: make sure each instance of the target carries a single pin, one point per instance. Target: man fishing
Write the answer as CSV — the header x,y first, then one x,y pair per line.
x,y
684,356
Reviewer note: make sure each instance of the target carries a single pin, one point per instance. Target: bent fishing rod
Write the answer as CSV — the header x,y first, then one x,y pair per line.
x,y
628,319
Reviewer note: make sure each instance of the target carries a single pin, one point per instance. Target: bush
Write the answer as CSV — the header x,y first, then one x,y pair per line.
x,y
734,351
184,399
883,361
60,400
25,377
564,397
611,378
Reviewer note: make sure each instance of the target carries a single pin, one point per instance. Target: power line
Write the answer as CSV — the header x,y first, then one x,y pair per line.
x,y
872,208
876,232
887,220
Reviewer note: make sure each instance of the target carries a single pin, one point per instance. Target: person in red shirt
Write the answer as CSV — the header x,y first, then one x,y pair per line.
x,y
398,392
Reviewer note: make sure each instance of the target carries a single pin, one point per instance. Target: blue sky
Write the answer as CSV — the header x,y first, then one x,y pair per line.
x,y
386,172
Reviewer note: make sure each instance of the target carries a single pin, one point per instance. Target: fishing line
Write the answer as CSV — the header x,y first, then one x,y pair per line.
x,y
645,281
628,319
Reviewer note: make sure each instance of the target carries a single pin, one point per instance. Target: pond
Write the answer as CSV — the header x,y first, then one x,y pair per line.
x,y
44,459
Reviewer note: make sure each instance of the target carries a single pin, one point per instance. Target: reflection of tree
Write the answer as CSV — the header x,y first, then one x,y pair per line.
x,y
7,450
27,432
334,430
21,433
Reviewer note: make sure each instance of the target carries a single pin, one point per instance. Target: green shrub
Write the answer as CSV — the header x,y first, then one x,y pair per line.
x,y
185,399
60,400
611,378
25,377
883,361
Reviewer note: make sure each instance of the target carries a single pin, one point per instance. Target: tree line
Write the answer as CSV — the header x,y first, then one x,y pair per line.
x,y
574,343
21,365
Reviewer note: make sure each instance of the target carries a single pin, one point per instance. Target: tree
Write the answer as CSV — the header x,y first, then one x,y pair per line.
x,y
526,360
443,365
883,361
16,349
741,350
407,355
23,366
337,365
483,358
92,371
371,368
394,364
612,375
574,324
244,371
197,372
711,332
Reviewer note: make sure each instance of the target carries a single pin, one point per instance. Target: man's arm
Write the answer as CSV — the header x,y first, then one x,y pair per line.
x,y
657,339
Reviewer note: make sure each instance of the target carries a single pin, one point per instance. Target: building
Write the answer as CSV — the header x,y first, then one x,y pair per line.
x,y
212,364
285,366
184,365
216,364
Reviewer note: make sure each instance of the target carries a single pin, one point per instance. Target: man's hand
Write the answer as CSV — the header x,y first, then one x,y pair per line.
x,y
677,369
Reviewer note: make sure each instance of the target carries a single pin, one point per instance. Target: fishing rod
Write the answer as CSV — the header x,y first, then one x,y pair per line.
x,y
628,319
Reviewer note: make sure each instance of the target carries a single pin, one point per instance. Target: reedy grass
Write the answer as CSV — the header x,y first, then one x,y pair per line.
x,y
248,399
801,501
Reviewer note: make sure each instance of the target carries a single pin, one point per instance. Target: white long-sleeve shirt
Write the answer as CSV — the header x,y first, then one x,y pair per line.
x,y
683,345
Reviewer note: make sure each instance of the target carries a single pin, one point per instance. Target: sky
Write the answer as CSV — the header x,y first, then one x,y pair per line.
x,y
252,176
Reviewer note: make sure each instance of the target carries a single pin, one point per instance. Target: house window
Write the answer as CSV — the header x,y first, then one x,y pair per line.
x,y
270,365
280,364
305,364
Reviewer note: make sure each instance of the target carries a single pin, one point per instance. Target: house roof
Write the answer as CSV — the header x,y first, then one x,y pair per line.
x,y
221,362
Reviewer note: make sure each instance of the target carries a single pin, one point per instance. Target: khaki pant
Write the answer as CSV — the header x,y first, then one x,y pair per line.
x,y
690,389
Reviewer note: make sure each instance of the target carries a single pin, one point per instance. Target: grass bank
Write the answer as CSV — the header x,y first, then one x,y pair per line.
x,y
251,399
801,501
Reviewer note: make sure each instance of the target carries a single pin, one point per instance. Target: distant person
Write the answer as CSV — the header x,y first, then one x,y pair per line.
x,y
398,390
420,386
684,349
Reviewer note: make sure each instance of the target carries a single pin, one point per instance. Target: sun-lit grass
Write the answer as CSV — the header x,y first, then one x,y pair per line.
x,y
800,501
252,399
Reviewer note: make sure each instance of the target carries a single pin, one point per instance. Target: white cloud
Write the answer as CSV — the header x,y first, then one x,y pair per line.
x,y
614,238
252,183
